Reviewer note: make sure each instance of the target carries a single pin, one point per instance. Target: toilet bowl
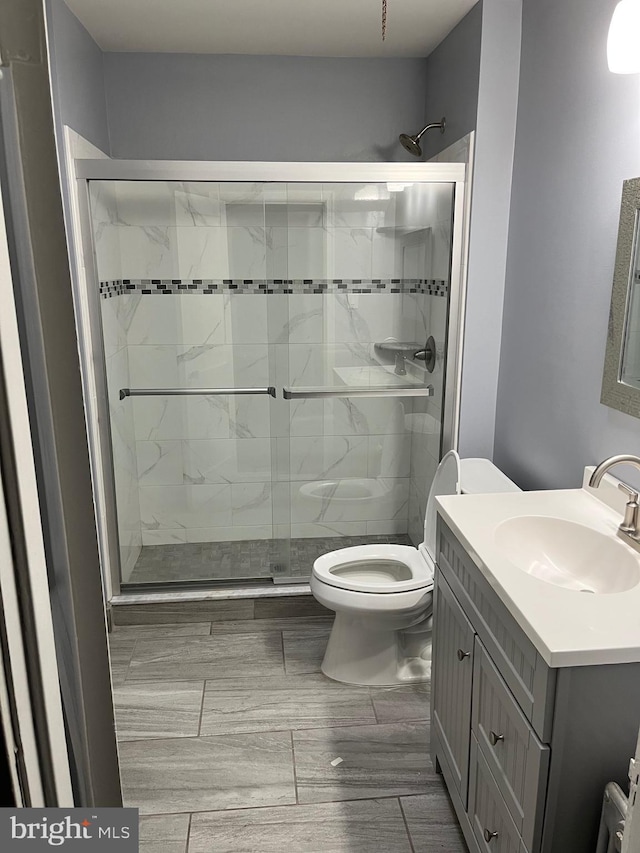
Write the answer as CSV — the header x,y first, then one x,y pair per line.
x,y
382,595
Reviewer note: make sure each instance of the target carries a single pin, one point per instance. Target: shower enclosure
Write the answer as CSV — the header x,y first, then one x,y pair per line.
x,y
264,387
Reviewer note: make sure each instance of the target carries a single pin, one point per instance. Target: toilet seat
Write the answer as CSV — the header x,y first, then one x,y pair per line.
x,y
379,569
392,569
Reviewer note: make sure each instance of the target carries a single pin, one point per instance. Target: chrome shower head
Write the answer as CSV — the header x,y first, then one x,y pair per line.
x,y
412,143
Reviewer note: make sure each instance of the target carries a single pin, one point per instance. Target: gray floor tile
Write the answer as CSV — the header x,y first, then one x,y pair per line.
x,y
182,611
304,649
252,626
278,704
377,761
432,823
289,605
166,834
355,827
120,651
159,710
180,629
400,704
195,658
203,774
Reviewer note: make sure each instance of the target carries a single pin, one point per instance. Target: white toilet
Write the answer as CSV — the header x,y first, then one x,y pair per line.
x,y
382,594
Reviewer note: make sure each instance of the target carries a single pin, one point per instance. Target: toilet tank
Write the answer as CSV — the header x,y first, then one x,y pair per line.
x,y
480,476
460,476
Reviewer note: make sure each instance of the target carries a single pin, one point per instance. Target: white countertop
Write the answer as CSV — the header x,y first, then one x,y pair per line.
x,y
566,627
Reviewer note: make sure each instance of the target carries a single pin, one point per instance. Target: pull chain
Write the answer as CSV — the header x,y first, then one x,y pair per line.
x,y
384,19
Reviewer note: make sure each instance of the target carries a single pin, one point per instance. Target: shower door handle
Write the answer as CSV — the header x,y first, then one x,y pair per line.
x,y
348,391
193,392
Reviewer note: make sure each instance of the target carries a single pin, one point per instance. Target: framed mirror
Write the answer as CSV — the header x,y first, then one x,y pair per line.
x,y
621,378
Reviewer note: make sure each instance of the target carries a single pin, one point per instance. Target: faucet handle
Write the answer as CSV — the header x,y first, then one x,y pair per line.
x,y
629,526
629,492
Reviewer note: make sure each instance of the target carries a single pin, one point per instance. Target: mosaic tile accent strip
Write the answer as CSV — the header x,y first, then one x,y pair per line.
x,y
111,288
176,286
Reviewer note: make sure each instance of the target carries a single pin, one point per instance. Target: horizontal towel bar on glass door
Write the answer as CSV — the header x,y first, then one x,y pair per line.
x,y
347,391
193,392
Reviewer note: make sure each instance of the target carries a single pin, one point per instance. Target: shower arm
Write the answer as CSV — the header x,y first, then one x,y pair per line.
x,y
433,126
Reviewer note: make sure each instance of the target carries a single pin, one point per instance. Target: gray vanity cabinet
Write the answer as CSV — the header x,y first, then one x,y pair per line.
x,y
525,750
452,681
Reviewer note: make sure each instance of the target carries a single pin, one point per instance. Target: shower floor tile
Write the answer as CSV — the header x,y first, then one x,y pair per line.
x,y
242,560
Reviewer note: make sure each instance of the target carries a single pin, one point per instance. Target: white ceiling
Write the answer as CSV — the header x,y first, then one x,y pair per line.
x,y
282,27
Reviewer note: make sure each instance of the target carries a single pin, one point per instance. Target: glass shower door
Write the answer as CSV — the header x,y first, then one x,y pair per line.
x,y
362,363
186,326
266,357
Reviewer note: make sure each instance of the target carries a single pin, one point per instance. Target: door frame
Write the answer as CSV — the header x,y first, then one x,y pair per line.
x,y
87,298
29,676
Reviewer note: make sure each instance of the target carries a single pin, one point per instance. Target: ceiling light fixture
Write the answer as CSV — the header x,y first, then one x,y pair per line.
x,y
623,54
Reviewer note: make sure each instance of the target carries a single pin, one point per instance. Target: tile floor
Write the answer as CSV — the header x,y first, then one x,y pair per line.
x,y
245,559
228,741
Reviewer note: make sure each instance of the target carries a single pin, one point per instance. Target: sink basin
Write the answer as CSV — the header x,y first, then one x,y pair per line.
x,y
567,554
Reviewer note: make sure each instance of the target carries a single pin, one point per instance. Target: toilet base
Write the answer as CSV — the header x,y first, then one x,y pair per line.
x,y
361,651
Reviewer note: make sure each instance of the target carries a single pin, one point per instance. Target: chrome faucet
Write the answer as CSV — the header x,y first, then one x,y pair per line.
x,y
629,530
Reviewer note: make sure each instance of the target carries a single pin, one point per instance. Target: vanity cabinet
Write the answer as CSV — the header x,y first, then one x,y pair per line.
x,y
525,749
452,682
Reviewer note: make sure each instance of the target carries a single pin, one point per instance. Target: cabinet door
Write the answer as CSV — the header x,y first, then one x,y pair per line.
x,y
452,674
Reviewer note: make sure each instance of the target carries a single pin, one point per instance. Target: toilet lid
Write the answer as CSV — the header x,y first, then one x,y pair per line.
x,y
445,482
382,568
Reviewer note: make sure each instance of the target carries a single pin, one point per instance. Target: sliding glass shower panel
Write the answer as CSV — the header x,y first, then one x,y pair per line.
x,y
182,269
360,467
217,296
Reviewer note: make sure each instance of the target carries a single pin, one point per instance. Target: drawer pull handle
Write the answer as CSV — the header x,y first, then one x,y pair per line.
x,y
494,738
489,835
462,655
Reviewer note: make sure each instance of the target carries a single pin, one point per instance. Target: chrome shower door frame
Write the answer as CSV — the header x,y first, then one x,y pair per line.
x,y
88,301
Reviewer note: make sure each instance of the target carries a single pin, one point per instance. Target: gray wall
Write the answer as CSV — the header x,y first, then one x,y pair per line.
x,y
577,139
77,76
452,77
493,166
185,106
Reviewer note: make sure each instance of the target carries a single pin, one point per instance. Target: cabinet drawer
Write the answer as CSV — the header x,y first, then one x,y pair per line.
x,y
518,761
490,820
530,680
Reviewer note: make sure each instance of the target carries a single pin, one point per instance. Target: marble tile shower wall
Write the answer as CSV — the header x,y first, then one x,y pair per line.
x,y
192,469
